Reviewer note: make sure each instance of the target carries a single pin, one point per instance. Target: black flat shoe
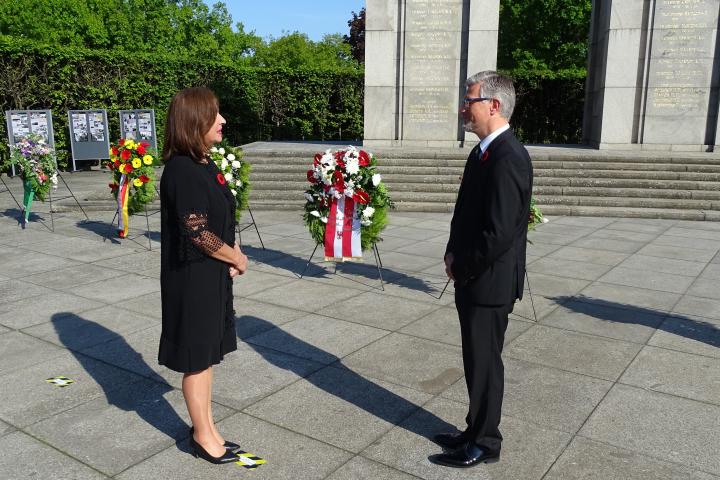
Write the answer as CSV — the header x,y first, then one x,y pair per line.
x,y
228,445
450,440
466,456
199,451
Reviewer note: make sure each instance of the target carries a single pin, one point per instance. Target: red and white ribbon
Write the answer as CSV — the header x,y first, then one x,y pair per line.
x,y
342,233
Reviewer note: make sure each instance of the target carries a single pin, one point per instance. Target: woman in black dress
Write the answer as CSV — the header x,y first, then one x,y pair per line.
x,y
199,259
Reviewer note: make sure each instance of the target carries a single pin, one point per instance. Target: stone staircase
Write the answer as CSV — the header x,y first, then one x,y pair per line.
x,y
568,181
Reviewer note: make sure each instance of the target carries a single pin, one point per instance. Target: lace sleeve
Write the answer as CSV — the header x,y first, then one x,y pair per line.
x,y
195,226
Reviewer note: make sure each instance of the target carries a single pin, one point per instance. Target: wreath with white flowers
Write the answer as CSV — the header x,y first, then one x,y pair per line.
x,y
350,173
235,173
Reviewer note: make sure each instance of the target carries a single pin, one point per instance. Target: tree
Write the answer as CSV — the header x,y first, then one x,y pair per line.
x,y
356,39
296,50
555,40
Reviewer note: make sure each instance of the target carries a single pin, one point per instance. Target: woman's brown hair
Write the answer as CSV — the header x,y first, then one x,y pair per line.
x,y
191,114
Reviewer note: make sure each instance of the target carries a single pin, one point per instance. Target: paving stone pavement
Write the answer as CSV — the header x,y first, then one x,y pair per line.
x,y
336,378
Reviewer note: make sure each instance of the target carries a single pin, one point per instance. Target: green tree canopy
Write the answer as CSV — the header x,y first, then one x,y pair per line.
x,y
545,37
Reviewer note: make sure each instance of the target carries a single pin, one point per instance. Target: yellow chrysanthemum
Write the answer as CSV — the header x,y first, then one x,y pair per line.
x,y
129,144
111,153
121,168
136,163
148,159
137,182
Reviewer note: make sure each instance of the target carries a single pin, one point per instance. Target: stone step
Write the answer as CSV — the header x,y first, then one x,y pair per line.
x,y
627,183
638,167
627,192
654,175
626,212
300,163
628,202
537,153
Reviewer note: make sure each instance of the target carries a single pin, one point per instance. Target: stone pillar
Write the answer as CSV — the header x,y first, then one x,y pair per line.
x,y
653,75
418,54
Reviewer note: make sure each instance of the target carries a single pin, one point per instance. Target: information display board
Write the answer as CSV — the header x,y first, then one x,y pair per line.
x,y
89,139
139,125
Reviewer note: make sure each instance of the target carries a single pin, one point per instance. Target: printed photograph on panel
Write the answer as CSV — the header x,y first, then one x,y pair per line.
x,y
39,125
19,122
129,126
145,126
97,127
80,127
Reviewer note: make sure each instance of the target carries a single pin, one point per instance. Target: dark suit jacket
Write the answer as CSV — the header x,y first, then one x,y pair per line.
x,y
488,233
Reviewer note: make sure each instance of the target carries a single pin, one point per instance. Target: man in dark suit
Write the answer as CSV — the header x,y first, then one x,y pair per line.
x,y
485,256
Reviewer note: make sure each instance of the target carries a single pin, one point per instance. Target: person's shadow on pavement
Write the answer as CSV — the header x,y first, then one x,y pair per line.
x,y
347,385
149,403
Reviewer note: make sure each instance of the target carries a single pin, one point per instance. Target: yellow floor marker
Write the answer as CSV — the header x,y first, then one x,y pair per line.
x,y
60,381
248,460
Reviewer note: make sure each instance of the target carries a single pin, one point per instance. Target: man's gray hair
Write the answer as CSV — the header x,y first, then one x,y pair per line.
x,y
495,85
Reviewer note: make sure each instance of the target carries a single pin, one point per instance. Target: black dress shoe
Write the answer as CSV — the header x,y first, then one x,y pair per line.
x,y
450,440
466,456
199,451
228,445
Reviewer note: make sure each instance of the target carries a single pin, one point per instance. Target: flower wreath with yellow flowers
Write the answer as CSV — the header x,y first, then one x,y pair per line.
x,y
134,161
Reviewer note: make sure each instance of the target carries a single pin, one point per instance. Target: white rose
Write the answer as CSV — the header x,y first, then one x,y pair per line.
x,y
231,157
368,212
309,197
365,222
228,176
235,163
223,164
221,151
323,219
376,179
238,183
234,192
315,213
213,149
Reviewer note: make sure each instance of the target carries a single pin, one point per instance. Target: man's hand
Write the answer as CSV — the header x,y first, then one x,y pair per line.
x,y
234,272
448,265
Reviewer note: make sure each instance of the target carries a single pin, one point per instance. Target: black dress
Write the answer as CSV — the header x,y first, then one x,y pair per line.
x,y
198,216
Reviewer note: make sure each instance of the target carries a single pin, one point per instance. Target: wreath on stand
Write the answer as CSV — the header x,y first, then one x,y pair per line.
x,y
36,162
133,185
234,172
342,175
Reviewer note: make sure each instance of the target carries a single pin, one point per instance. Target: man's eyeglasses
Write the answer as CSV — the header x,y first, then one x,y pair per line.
x,y
467,101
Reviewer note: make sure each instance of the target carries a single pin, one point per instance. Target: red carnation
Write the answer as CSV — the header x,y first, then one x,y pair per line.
x,y
311,176
141,150
316,160
341,164
128,168
339,155
364,158
121,142
114,151
125,155
117,163
361,196
144,178
220,179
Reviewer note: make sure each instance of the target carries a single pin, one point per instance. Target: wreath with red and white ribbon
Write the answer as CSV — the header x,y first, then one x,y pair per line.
x,y
346,193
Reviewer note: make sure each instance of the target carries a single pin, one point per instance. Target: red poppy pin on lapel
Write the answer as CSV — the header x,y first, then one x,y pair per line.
x,y
485,156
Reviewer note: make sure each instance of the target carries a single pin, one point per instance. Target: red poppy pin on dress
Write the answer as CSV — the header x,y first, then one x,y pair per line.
x,y
220,179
